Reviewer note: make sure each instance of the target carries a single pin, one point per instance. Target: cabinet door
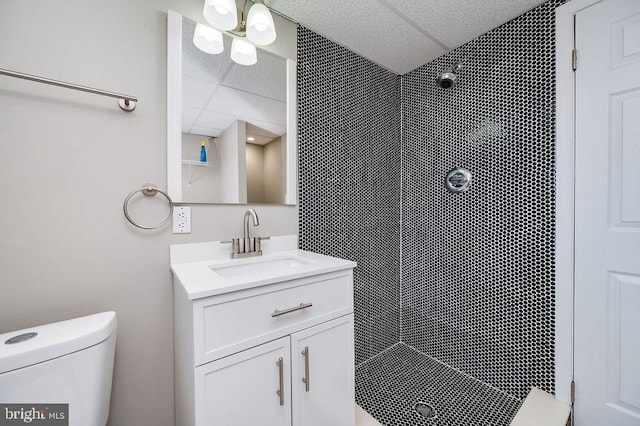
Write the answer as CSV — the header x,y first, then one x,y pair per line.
x,y
322,365
244,389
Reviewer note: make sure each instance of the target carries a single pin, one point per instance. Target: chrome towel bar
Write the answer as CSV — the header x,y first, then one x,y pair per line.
x,y
126,102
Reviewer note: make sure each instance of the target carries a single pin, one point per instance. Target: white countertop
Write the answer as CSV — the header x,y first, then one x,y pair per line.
x,y
192,266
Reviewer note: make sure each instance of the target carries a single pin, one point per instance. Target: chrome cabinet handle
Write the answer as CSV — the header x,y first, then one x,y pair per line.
x,y
280,391
301,306
305,379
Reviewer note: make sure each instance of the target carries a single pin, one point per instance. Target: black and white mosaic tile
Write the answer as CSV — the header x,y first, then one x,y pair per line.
x,y
349,178
466,279
389,386
478,267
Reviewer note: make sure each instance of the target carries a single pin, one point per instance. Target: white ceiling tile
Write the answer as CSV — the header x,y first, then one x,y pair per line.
x,y
268,77
455,22
370,29
196,63
402,35
189,116
195,92
260,135
205,131
248,106
257,131
216,91
214,119
273,128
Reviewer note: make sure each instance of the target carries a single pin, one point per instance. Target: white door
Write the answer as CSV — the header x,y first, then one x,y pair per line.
x,y
323,374
607,210
244,389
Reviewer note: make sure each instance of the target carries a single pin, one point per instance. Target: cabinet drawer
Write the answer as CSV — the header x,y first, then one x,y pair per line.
x,y
236,321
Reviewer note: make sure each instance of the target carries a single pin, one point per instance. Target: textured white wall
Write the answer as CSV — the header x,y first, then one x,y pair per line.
x,y
67,161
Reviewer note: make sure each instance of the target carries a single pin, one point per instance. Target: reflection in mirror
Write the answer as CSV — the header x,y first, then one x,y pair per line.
x,y
239,115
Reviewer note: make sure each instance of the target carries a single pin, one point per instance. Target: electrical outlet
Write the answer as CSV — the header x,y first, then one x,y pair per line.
x,y
182,220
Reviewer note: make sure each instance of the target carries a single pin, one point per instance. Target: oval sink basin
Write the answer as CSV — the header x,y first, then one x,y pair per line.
x,y
260,266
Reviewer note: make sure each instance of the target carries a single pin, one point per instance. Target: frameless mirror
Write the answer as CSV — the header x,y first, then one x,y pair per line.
x,y
231,130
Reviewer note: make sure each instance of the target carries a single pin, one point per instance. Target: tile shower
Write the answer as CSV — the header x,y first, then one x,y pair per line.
x,y
454,293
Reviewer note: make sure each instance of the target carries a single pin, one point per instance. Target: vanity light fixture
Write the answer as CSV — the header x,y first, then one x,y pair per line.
x,y
258,28
222,14
243,53
208,40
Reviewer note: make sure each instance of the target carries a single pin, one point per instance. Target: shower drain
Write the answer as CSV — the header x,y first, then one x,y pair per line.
x,y
425,410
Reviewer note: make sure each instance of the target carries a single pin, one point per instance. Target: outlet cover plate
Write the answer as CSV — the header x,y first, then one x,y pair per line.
x,y
182,220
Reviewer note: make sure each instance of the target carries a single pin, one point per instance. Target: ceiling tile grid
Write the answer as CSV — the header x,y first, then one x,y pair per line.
x,y
374,32
402,35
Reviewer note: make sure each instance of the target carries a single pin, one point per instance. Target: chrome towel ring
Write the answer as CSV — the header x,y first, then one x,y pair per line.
x,y
147,189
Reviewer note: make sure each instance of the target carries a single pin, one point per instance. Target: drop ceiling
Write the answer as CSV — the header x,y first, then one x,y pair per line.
x,y
216,92
401,35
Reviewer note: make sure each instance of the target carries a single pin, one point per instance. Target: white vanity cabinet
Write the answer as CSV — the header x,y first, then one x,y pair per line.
x,y
245,388
276,354
241,389
323,357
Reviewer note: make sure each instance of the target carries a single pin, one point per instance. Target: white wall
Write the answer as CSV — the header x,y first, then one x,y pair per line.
x,y
231,141
274,170
68,160
255,173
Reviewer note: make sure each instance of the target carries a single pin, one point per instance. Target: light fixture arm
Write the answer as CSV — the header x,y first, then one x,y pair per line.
x,y
241,29
255,25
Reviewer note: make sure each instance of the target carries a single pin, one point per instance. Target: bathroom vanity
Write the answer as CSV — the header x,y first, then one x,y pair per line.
x,y
262,341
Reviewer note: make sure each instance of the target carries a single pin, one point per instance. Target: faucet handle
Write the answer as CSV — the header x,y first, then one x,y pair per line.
x,y
235,245
256,242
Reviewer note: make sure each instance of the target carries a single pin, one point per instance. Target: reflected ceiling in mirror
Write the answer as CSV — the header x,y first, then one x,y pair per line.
x,y
217,91
243,115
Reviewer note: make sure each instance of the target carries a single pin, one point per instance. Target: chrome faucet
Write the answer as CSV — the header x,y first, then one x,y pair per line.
x,y
245,237
251,246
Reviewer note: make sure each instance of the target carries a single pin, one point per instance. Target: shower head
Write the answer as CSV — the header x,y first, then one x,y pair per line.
x,y
449,77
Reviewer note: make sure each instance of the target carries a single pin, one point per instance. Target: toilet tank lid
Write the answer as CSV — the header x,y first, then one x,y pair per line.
x,y
54,340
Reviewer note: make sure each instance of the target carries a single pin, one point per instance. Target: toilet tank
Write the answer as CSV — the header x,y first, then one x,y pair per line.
x,y
68,362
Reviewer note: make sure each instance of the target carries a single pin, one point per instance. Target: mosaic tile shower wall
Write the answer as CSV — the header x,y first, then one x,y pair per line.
x,y
478,266
349,178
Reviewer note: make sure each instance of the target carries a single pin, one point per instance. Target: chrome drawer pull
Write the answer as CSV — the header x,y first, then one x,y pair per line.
x,y
305,379
277,312
280,391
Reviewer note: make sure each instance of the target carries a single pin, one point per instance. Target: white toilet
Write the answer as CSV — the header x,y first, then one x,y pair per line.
x,y
68,362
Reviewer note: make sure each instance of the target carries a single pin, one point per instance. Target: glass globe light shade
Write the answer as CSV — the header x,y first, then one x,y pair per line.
x,y
208,39
260,27
243,53
221,14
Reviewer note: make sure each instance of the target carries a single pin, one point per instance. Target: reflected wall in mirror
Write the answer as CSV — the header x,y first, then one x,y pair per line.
x,y
243,116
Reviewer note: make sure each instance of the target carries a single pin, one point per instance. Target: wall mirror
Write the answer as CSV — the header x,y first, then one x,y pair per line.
x,y
243,115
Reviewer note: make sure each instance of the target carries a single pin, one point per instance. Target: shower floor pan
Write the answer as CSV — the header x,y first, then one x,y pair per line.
x,y
396,385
